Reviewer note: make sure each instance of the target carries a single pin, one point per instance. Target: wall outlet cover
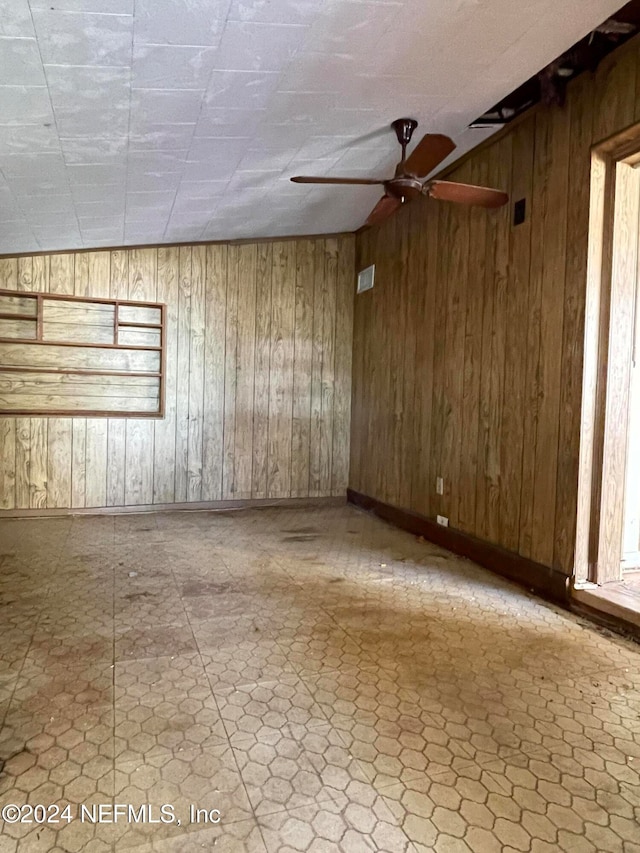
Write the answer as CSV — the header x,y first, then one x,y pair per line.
x,y
443,520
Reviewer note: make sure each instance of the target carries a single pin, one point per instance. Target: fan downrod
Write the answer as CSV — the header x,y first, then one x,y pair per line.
x,y
404,128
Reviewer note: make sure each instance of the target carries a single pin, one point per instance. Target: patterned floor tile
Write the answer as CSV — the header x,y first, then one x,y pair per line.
x,y
164,704
327,682
206,779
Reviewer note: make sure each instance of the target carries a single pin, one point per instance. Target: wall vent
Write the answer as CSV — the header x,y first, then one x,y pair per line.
x,y
365,278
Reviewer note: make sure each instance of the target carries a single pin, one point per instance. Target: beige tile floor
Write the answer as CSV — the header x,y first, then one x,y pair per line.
x,y
325,681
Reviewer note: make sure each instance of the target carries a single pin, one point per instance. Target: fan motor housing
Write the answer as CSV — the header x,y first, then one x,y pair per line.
x,y
403,187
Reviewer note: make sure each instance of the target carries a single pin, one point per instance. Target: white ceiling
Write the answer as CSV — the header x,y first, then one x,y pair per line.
x,y
150,121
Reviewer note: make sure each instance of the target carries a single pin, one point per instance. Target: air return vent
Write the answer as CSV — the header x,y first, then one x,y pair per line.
x,y
365,278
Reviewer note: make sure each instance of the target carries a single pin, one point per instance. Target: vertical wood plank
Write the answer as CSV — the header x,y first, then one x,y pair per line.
x,y
316,371
500,261
61,273
182,403
552,313
262,372
245,367
23,425
214,372
581,117
196,374
473,343
328,362
533,387
164,464
38,444
8,281
302,348
425,318
116,427
454,363
139,453
81,287
60,430
230,374
411,297
345,292
436,424
512,433
281,369
615,93
99,276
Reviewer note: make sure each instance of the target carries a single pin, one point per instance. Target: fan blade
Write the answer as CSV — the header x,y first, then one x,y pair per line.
x,y
431,150
305,179
467,194
385,207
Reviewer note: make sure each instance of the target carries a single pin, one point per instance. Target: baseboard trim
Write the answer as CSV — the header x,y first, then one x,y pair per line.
x,y
545,581
200,506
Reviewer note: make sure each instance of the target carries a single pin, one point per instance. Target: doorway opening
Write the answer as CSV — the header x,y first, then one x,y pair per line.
x,y
608,523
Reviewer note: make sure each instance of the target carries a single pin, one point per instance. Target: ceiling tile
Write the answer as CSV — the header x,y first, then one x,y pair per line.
x,y
106,206
246,89
160,137
47,204
20,62
195,22
350,26
112,121
162,106
17,139
9,208
228,122
137,233
96,173
85,194
102,238
197,190
106,7
157,161
171,67
265,158
15,18
222,150
87,86
193,219
283,12
25,105
258,47
90,101
94,150
150,199
95,222
153,181
43,219
48,165
74,38
47,237
213,170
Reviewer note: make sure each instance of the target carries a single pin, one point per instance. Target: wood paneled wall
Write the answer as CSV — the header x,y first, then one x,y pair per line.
x,y
468,353
258,379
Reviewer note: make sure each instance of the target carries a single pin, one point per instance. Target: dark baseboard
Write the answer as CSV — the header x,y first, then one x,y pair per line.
x,y
545,581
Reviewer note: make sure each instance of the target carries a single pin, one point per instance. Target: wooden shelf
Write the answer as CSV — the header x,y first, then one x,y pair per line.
x,y
94,353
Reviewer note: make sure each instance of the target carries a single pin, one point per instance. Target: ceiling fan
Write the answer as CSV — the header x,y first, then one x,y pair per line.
x,y
408,181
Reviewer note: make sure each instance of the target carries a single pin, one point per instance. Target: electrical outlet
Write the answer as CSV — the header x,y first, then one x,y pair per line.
x,y
439,486
443,520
